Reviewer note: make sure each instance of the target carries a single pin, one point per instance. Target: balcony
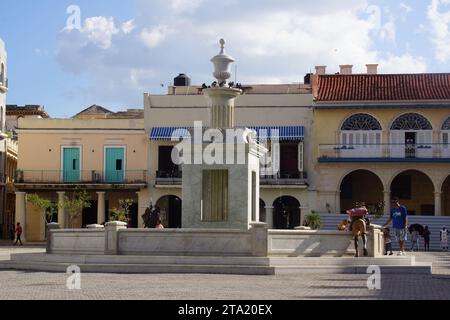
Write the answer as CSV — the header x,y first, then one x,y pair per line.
x,y
384,153
285,179
81,178
169,178
3,85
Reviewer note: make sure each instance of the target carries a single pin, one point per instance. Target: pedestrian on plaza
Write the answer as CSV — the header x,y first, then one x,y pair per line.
x,y
399,219
387,242
415,239
159,225
18,234
444,238
426,238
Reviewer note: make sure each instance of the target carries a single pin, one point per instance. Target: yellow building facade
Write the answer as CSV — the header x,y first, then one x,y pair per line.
x,y
382,136
105,157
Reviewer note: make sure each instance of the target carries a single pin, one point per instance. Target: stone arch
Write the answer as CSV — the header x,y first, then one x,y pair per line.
x,y
360,186
171,211
445,196
286,212
416,190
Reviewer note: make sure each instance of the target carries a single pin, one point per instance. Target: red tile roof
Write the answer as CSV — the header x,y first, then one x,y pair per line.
x,y
364,87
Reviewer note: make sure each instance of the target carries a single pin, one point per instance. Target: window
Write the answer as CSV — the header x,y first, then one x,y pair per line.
x,y
215,195
446,125
166,167
119,163
411,121
361,122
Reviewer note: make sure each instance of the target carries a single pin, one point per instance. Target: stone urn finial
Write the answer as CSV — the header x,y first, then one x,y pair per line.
x,y
222,64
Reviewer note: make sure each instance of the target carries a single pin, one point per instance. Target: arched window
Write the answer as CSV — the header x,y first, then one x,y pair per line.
x,y
411,137
361,136
411,121
446,125
361,121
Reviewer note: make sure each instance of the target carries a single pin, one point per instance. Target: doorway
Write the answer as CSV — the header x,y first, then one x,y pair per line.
x,y
410,144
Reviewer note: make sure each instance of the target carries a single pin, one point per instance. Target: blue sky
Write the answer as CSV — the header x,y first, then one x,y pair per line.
x,y
125,48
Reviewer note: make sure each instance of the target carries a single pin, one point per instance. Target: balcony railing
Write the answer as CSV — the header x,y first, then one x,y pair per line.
x,y
169,178
286,179
384,151
81,177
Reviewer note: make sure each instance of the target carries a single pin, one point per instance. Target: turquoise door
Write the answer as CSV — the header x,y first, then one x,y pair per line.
x,y
115,165
71,165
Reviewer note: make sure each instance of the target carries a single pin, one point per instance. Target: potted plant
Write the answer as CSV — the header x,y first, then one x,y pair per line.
x,y
313,220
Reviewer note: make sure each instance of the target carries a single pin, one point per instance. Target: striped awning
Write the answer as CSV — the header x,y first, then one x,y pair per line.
x,y
288,133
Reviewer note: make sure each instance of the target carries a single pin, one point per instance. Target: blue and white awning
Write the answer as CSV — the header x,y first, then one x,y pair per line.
x,y
289,133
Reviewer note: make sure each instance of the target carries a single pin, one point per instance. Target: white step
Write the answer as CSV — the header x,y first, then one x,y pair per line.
x,y
160,260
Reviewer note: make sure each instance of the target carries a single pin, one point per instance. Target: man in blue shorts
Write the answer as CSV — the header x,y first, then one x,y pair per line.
x,y
399,219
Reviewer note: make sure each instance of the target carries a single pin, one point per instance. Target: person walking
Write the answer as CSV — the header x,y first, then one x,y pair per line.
x,y
444,238
18,234
399,219
415,239
426,238
387,242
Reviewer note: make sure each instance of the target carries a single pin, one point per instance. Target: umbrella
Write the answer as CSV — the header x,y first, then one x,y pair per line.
x,y
358,212
417,227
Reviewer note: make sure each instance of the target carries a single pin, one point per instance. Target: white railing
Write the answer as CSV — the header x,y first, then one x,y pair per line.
x,y
384,151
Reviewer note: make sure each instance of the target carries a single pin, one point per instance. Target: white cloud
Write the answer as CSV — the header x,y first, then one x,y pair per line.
x,y
403,64
406,8
128,27
272,43
440,22
100,30
180,6
154,36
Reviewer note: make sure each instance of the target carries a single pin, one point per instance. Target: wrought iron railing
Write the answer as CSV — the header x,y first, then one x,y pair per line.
x,y
81,177
169,178
285,178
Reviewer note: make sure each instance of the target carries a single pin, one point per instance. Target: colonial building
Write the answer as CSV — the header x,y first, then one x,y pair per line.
x,y
105,156
15,112
286,109
382,135
3,135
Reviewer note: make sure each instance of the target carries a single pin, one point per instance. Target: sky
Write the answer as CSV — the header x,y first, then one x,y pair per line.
x,y
68,55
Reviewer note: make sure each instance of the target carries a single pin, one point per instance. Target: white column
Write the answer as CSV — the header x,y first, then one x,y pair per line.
x,y
21,213
101,207
61,211
438,204
269,217
337,207
141,204
387,202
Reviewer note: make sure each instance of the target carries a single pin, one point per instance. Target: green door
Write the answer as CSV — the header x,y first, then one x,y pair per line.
x,y
115,165
71,165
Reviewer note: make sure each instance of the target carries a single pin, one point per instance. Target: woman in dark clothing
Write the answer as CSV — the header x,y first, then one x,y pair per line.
x,y
426,237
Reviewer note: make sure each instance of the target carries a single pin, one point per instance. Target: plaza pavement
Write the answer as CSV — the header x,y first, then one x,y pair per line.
x,y
51,286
